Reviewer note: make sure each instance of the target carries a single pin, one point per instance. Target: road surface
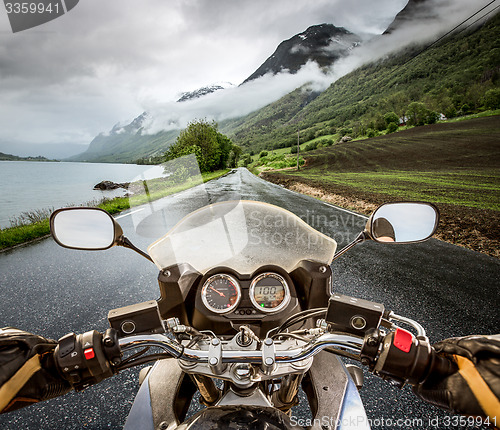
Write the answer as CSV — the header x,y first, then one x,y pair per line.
x,y
50,291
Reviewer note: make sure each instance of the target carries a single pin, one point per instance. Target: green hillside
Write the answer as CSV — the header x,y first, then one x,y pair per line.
x,y
127,147
455,77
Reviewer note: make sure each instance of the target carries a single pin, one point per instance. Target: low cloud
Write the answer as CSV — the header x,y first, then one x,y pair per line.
x,y
233,102
429,22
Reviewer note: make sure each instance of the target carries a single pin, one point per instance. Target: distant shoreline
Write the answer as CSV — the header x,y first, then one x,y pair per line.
x,y
10,157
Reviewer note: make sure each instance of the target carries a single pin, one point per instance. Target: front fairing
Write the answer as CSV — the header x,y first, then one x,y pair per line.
x,y
190,228
243,235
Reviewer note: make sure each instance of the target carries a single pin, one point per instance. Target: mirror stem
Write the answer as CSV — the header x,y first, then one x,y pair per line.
x,y
361,238
125,242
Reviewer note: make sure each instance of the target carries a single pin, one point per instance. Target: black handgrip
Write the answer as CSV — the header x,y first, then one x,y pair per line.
x,y
440,367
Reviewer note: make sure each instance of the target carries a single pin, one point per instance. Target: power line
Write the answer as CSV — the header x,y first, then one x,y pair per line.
x,y
451,31
479,19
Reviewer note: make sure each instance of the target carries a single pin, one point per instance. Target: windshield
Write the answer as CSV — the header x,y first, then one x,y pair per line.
x,y
243,235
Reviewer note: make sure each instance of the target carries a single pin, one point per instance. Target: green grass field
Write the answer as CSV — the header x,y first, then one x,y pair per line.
x,y
456,163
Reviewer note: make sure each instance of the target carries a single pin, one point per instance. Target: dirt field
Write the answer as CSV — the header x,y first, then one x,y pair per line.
x,y
476,229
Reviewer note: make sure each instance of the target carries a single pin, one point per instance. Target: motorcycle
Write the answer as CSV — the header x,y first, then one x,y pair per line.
x,y
246,317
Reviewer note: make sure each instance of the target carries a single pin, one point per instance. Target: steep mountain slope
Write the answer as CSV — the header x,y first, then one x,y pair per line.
x,y
323,44
414,10
125,144
452,77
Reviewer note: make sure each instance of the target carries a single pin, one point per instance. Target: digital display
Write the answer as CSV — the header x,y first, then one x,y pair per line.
x,y
269,296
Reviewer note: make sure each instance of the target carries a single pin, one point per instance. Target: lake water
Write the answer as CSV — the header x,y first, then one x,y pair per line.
x,y
26,186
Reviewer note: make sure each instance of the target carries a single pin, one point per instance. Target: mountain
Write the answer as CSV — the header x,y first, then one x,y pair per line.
x,y
125,144
414,10
200,92
323,44
459,75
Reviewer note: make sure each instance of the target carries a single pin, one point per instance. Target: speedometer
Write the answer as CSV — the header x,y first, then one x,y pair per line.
x,y
221,293
269,292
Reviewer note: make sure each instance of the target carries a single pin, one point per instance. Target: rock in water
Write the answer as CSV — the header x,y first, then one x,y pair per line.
x,y
109,185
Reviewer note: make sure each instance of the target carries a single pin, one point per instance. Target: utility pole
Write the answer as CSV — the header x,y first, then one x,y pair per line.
x,y
298,146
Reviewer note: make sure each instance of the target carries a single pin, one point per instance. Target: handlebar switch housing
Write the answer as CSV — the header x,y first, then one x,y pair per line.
x,y
81,359
352,315
404,358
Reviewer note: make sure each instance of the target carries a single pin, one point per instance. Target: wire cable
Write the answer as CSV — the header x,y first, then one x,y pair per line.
x,y
447,34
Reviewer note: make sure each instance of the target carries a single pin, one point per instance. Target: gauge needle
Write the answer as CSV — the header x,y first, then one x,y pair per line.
x,y
217,291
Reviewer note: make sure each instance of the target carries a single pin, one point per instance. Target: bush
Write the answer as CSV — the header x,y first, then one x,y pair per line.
x,y
391,117
263,154
345,131
491,99
245,160
432,117
293,149
392,127
311,146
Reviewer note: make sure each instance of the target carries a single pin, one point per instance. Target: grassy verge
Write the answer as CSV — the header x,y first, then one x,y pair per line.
x,y
454,165
35,225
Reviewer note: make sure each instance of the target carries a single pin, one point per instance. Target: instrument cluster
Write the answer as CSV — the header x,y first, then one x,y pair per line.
x,y
265,293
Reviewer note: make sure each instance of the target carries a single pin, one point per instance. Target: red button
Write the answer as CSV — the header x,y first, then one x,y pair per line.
x,y
403,340
89,353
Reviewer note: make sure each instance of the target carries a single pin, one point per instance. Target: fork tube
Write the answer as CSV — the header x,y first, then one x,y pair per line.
x,y
209,392
289,388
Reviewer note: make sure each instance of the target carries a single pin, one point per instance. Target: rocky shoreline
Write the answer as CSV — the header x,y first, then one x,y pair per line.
x,y
109,185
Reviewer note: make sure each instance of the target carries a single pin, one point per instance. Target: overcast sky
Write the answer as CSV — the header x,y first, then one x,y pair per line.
x,y
107,61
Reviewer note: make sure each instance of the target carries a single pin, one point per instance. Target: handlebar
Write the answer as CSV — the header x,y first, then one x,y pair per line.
x,y
398,355
346,342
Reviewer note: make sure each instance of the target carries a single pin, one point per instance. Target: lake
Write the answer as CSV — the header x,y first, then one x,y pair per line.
x,y
27,186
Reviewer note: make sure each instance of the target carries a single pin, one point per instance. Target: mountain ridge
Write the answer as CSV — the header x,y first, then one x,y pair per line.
x,y
323,44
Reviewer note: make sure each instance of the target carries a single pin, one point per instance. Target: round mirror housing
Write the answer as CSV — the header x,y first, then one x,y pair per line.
x,y
403,222
84,228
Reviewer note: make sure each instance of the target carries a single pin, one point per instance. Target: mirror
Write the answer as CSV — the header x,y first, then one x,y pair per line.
x,y
403,222
84,228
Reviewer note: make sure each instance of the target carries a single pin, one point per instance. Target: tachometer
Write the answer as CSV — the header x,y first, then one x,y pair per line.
x,y
269,292
221,293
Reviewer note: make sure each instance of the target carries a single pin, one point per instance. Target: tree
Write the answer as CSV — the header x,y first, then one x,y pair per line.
x,y
417,113
391,117
212,149
492,98
234,156
392,127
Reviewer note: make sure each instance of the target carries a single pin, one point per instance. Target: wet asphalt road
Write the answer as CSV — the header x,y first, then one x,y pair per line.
x,y
50,291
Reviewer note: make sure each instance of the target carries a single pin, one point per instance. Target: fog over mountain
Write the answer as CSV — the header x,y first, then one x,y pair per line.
x,y
316,57
323,44
420,21
88,71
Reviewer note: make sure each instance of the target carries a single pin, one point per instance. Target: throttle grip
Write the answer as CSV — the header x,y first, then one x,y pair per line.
x,y
405,358
440,367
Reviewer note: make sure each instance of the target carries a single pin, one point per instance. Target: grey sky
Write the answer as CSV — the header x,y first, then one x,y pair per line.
x,y
107,61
